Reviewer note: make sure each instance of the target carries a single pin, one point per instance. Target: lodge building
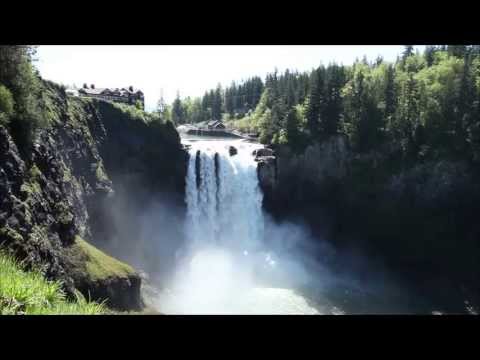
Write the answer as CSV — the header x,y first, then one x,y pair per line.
x,y
124,95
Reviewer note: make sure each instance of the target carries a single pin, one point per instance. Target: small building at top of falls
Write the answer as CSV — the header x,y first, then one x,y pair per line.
x,y
211,125
216,124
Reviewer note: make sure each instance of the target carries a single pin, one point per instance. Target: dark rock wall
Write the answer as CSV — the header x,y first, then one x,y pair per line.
x,y
63,185
421,221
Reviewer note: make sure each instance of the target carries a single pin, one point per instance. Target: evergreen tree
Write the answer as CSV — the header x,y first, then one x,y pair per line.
x,y
331,110
292,123
430,54
408,51
465,106
178,112
313,106
217,103
457,50
229,103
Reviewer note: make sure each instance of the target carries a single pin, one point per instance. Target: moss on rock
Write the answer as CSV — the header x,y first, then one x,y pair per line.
x,y
99,265
101,277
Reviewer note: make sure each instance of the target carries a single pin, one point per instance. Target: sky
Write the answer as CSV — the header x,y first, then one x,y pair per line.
x,y
189,69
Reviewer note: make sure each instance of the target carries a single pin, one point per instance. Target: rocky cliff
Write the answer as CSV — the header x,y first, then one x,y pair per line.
x,y
289,176
56,196
420,220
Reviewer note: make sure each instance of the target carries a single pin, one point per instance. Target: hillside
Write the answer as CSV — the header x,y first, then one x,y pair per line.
x,y
58,185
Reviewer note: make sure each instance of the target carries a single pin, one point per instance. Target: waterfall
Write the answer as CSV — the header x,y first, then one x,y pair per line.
x,y
219,271
224,200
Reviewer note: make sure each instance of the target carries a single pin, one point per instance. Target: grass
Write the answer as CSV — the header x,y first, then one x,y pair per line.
x,y
29,293
99,265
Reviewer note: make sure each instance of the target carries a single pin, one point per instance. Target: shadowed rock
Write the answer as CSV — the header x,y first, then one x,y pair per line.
x,y
232,151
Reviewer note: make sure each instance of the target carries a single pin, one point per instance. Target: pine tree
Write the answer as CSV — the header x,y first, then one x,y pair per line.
x,y
411,117
408,51
314,99
430,54
457,50
228,105
465,105
331,110
217,103
292,124
178,112
390,93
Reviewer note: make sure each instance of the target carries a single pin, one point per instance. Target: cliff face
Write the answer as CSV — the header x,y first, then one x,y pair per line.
x,y
56,199
290,176
418,220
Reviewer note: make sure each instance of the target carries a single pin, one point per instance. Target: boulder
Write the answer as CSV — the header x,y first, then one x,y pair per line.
x,y
263,152
232,151
266,171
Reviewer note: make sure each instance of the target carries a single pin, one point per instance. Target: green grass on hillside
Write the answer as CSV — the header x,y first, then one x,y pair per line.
x,y
28,293
99,265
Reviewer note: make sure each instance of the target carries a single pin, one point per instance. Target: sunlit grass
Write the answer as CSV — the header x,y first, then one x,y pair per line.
x,y
28,293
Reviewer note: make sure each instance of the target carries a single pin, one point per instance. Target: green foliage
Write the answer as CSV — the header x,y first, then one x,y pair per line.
x,y
233,102
19,77
28,293
6,105
425,106
132,112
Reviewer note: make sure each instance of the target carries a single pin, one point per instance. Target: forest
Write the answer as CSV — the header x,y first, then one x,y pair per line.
x,y
423,106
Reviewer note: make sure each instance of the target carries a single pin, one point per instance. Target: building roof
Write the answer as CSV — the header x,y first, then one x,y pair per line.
x,y
215,123
107,91
96,91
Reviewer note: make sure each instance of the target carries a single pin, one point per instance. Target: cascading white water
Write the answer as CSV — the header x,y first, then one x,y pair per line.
x,y
224,229
224,204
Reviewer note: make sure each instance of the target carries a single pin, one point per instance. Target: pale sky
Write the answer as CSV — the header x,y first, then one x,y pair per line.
x,y
189,69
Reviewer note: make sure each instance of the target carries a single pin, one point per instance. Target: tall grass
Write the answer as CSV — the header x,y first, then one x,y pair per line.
x,y
28,293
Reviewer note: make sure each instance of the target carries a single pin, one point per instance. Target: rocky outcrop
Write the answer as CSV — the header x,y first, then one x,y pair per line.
x,y
63,188
267,173
232,150
258,153
417,219
120,293
286,176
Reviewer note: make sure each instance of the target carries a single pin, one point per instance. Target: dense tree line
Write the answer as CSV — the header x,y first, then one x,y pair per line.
x,y
235,101
422,106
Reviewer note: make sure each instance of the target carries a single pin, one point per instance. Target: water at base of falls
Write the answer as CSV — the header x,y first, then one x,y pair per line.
x,y
220,270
